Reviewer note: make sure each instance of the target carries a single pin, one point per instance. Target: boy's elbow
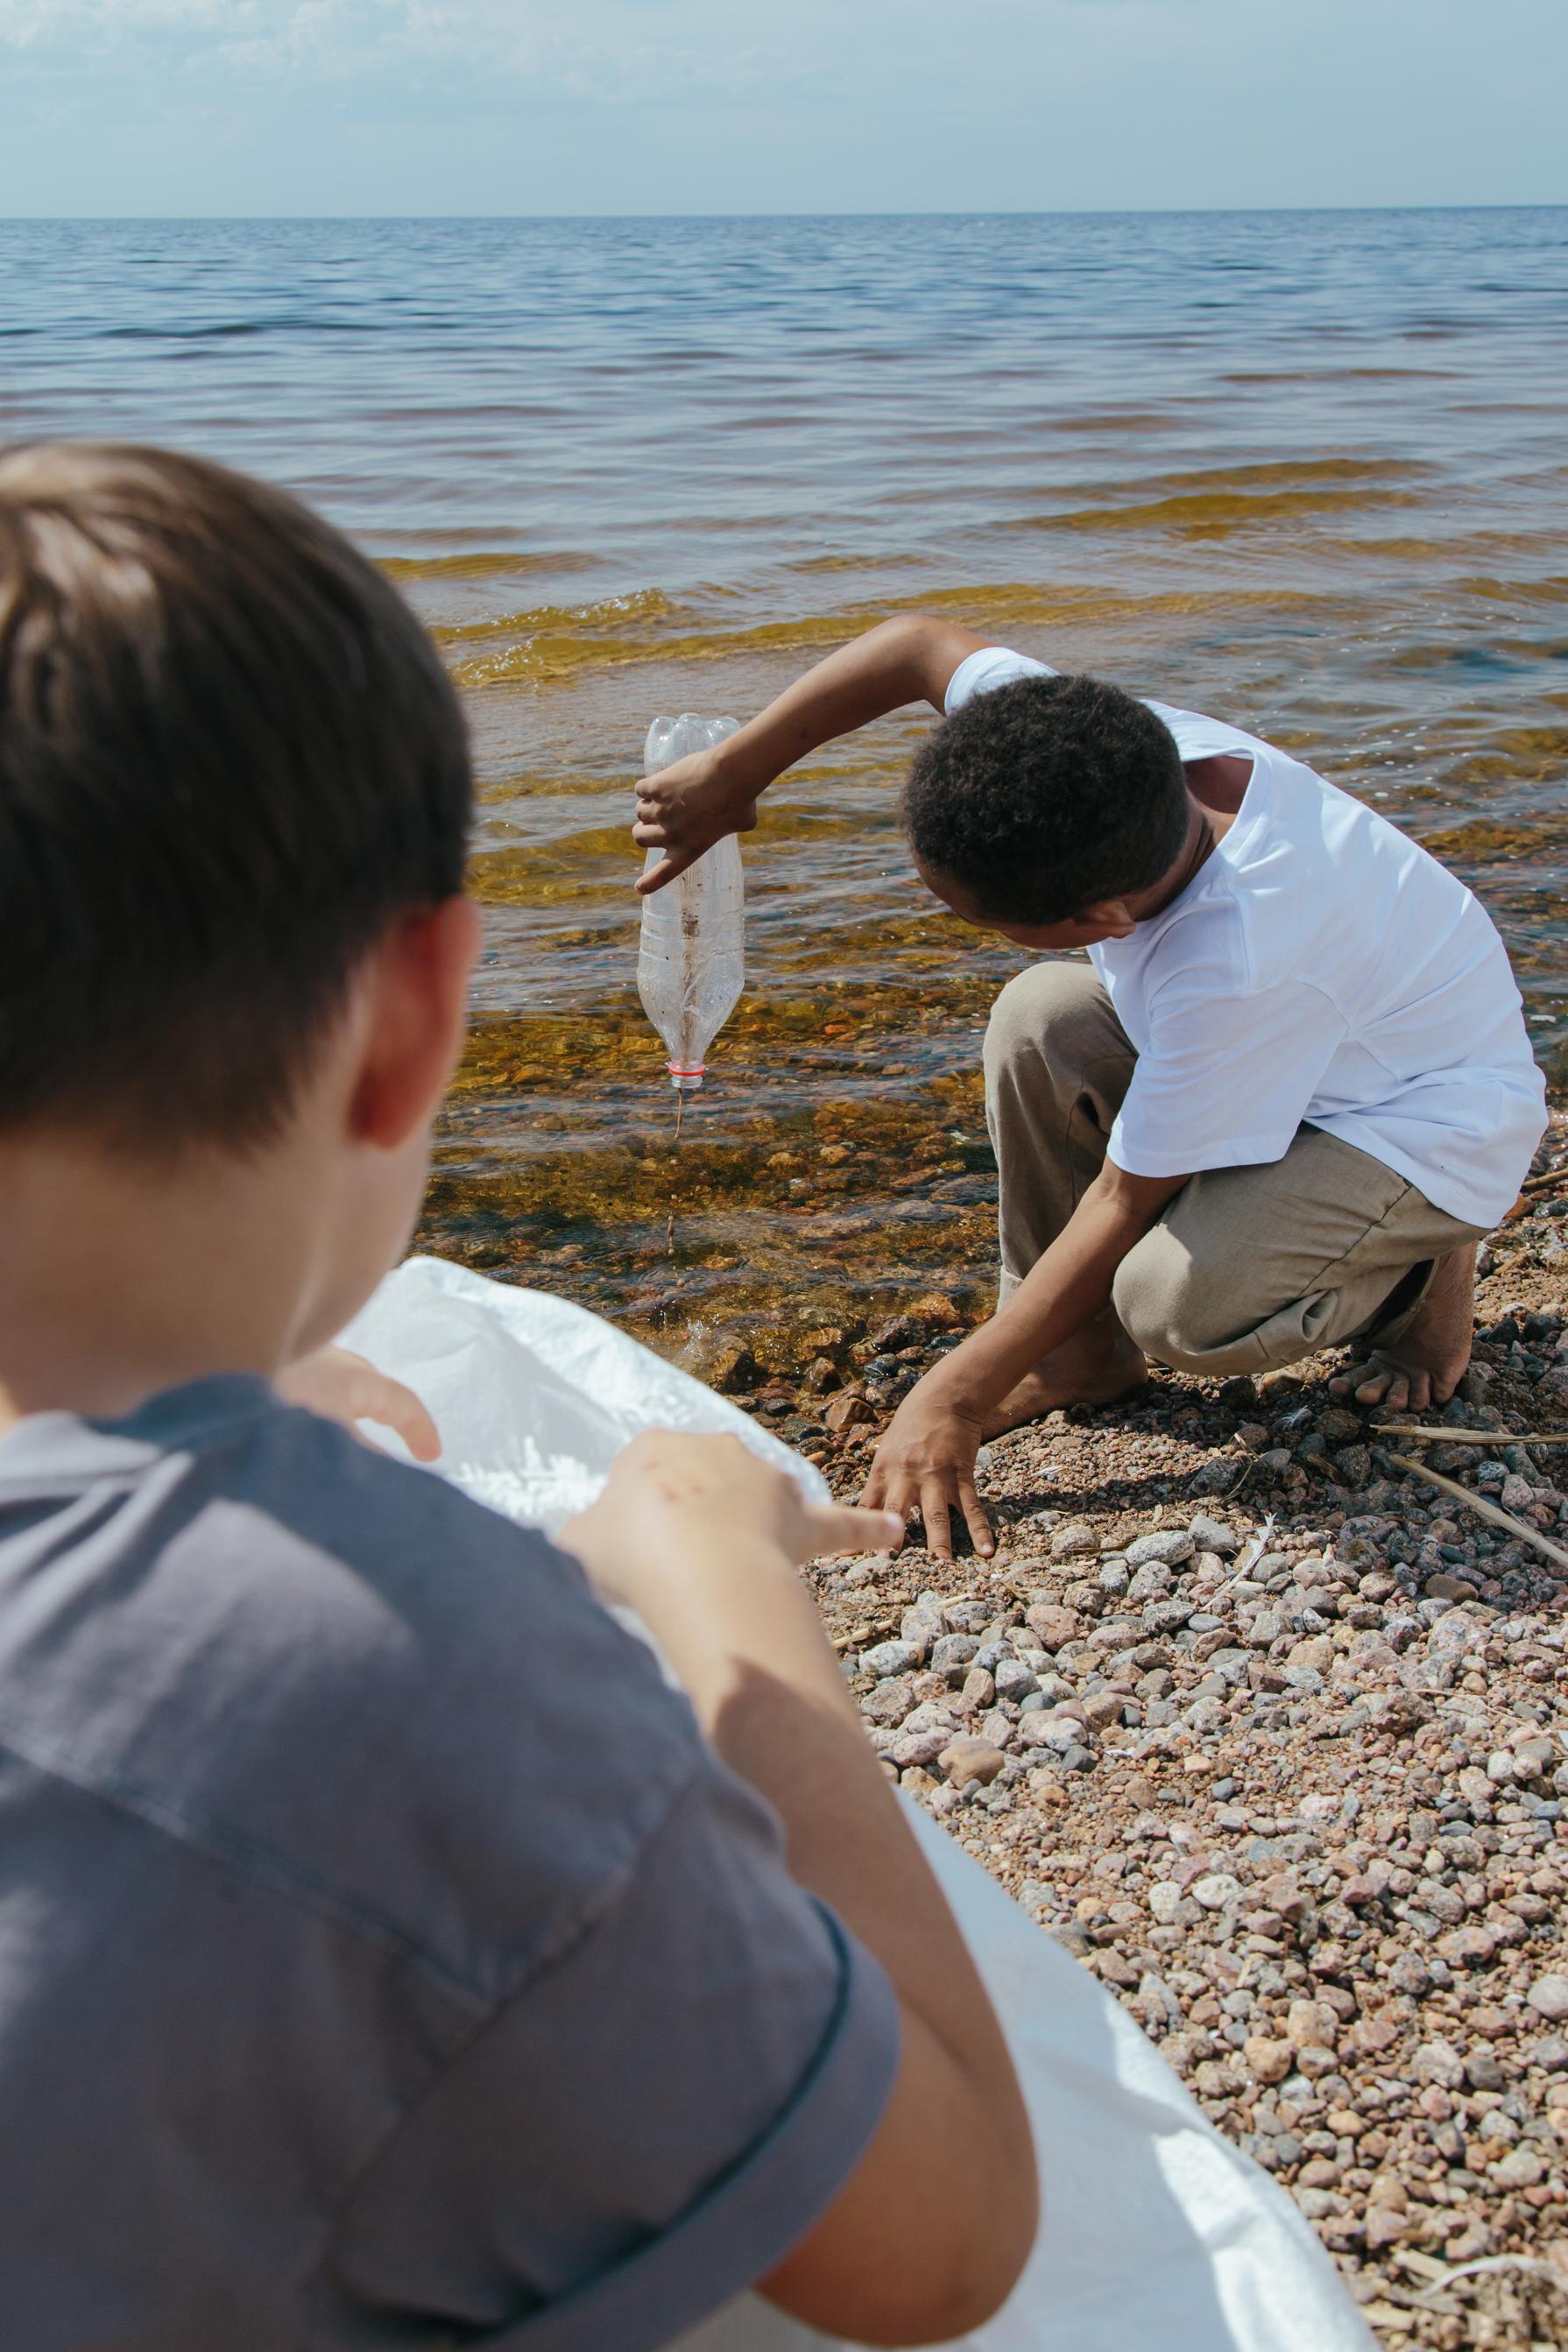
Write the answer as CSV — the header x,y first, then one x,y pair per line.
x,y
935,2292
1013,2215
910,636
929,2258
928,650
983,2269
921,630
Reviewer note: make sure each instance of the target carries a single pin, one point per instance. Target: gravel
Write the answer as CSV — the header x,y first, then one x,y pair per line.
x,y
1274,1738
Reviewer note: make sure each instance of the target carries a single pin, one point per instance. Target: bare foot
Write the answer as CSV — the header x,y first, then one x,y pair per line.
x,y
1093,1367
1426,1364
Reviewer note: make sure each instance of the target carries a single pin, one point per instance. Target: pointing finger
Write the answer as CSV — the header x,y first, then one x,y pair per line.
x,y
840,1528
676,862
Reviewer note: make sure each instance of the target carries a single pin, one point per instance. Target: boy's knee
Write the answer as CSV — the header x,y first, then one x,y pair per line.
x,y
1057,1012
1168,1309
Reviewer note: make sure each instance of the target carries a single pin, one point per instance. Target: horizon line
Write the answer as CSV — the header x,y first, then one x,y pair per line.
x,y
987,211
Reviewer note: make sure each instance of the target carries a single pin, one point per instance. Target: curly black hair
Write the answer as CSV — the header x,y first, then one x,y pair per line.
x,y
1047,796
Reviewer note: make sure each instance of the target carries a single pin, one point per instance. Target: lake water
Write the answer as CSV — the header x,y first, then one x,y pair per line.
x,y
1306,471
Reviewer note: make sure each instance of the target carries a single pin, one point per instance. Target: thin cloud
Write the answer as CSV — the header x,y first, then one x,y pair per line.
x,y
613,50
193,106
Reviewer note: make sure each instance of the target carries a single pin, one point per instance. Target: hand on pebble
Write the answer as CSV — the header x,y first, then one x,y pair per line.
x,y
926,1462
347,1388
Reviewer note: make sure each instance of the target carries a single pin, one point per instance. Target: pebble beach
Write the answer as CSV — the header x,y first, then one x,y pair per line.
x,y
1267,1730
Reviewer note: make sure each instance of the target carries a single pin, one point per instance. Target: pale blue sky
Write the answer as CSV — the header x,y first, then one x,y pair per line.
x,y
713,105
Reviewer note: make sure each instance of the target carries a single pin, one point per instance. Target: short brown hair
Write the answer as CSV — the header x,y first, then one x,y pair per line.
x,y
229,757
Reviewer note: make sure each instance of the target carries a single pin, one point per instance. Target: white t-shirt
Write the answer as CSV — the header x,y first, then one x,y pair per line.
x,y
1320,966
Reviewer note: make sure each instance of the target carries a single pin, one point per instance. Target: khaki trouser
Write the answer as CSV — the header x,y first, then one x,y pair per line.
x,y
1248,1268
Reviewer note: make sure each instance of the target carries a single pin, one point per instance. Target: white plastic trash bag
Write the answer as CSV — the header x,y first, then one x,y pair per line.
x,y
1156,2235
534,1397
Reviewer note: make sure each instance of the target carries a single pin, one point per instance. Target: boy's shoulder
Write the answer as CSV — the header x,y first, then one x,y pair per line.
x,y
1293,886
327,1670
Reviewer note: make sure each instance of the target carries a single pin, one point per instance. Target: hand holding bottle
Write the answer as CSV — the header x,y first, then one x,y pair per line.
x,y
685,808
697,800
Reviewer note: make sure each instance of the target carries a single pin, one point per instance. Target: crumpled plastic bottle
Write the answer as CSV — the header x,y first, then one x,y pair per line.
x,y
692,965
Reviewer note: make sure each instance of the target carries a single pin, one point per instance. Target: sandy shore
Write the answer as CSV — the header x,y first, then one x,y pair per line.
x,y
1270,1734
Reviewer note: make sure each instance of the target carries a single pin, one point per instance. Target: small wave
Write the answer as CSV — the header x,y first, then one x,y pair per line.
x,y
554,652
487,565
1552,590
1329,375
890,560
1484,660
227,330
1111,420
547,625
1469,544
1263,474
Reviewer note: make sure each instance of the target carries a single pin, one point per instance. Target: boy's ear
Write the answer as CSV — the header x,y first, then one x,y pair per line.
x,y
1108,919
417,1014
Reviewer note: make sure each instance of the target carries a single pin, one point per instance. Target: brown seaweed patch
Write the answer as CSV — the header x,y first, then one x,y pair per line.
x,y
530,785
1484,839
1523,755
525,876
801,1222
1216,514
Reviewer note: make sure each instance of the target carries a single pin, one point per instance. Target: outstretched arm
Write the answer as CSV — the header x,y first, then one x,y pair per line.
x,y
926,1459
704,1543
688,806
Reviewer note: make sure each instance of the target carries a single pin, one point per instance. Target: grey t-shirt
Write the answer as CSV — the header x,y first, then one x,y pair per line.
x,y
385,1959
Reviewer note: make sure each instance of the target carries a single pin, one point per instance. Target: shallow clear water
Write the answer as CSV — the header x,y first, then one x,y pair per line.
x,y
1304,470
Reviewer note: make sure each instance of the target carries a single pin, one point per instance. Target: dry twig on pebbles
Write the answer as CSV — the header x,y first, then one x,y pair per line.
x,y
1441,2275
1482,1509
1472,1436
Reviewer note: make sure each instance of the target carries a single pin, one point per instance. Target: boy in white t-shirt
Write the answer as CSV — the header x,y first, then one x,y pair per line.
x,y
1275,1111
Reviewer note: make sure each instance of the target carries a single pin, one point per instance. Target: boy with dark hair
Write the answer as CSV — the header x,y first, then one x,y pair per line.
x,y
1275,1112
351,1992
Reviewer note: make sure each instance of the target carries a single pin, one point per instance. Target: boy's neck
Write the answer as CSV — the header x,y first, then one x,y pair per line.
x,y
121,1277
1215,788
